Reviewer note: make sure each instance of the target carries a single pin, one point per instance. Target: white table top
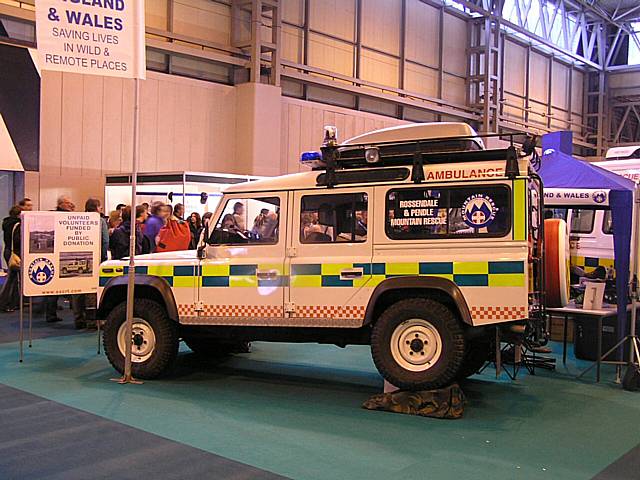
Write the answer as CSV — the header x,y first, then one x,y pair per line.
x,y
606,310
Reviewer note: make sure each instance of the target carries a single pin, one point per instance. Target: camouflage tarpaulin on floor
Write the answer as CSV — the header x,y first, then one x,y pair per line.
x,y
446,402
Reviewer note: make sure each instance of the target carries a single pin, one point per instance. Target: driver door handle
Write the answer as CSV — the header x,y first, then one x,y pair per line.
x,y
351,273
267,274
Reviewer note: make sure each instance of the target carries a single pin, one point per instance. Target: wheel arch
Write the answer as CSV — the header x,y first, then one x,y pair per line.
x,y
397,288
146,286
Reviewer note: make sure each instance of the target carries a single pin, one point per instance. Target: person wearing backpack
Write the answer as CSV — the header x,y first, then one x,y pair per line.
x,y
174,236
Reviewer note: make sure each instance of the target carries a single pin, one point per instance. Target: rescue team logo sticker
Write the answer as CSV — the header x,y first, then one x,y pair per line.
x,y
479,210
599,197
41,271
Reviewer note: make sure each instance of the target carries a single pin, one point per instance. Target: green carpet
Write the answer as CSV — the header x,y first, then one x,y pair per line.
x,y
295,410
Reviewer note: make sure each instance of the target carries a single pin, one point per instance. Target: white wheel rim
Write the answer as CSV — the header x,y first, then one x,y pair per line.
x,y
416,345
143,340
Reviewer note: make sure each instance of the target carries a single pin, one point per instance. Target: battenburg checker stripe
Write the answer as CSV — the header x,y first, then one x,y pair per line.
x,y
463,274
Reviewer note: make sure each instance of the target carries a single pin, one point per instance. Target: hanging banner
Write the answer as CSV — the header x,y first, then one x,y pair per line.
x,y
60,253
576,196
95,37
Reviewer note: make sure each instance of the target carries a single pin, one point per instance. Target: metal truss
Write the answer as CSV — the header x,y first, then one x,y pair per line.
x,y
624,116
574,29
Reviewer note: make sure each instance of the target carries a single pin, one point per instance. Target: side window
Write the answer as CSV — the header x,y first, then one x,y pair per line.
x,y
419,213
334,218
551,212
607,223
250,220
582,220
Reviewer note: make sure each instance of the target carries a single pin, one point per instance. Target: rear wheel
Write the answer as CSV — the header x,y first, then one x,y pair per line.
x,y
477,355
154,339
418,344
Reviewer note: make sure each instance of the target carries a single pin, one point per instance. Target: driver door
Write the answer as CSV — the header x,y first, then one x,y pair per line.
x,y
242,280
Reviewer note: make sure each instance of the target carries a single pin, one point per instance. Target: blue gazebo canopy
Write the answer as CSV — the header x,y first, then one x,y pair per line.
x,y
559,169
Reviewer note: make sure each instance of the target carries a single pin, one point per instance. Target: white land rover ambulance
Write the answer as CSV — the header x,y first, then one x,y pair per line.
x,y
416,240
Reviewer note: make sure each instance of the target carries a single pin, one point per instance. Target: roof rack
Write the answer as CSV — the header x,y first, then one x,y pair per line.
x,y
416,153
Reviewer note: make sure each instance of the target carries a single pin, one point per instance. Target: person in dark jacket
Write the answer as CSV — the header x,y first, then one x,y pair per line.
x,y
10,293
119,241
84,306
195,226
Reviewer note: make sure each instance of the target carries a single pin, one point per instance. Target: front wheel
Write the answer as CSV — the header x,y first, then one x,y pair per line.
x,y
418,344
154,339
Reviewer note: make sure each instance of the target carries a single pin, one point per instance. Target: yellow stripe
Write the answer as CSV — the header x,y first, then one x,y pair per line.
x,y
243,281
519,210
271,266
306,281
115,272
361,282
470,267
160,270
402,269
215,270
185,282
335,268
376,280
506,280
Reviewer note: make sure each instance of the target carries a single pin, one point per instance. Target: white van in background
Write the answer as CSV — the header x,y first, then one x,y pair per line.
x,y
625,161
590,228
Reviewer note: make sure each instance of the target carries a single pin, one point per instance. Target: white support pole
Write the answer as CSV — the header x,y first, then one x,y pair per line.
x,y
127,376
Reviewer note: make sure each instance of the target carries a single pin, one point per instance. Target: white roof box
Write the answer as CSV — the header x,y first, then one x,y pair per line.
x,y
620,153
417,131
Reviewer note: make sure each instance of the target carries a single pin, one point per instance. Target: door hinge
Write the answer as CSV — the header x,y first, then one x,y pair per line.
x,y
199,306
289,307
292,252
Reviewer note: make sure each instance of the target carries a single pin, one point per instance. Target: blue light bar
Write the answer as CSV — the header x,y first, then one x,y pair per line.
x,y
312,159
310,156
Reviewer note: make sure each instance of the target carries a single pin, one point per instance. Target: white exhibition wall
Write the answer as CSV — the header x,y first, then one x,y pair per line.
x,y
186,124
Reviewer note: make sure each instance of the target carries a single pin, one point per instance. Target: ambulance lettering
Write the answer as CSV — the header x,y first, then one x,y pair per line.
x,y
465,174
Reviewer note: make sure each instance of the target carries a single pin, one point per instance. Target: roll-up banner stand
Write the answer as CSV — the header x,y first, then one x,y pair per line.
x,y
107,39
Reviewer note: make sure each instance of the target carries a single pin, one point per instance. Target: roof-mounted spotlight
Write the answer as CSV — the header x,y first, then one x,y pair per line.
x,y
372,154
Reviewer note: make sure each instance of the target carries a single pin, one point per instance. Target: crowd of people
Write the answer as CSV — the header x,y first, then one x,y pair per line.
x,y
160,227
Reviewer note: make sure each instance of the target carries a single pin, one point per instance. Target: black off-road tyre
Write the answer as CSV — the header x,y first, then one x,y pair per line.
x,y
478,353
166,339
214,348
446,366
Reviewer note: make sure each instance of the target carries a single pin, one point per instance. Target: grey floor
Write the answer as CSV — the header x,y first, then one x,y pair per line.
x,y
40,438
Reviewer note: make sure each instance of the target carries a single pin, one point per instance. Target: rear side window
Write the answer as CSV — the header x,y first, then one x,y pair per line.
x,y
582,220
607,223
448,212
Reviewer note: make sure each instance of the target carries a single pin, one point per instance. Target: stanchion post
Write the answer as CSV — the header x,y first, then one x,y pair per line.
x,y
21,333
30,322
127,377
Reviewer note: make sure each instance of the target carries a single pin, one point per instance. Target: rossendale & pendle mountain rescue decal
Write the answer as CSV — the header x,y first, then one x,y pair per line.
x,y
479,210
